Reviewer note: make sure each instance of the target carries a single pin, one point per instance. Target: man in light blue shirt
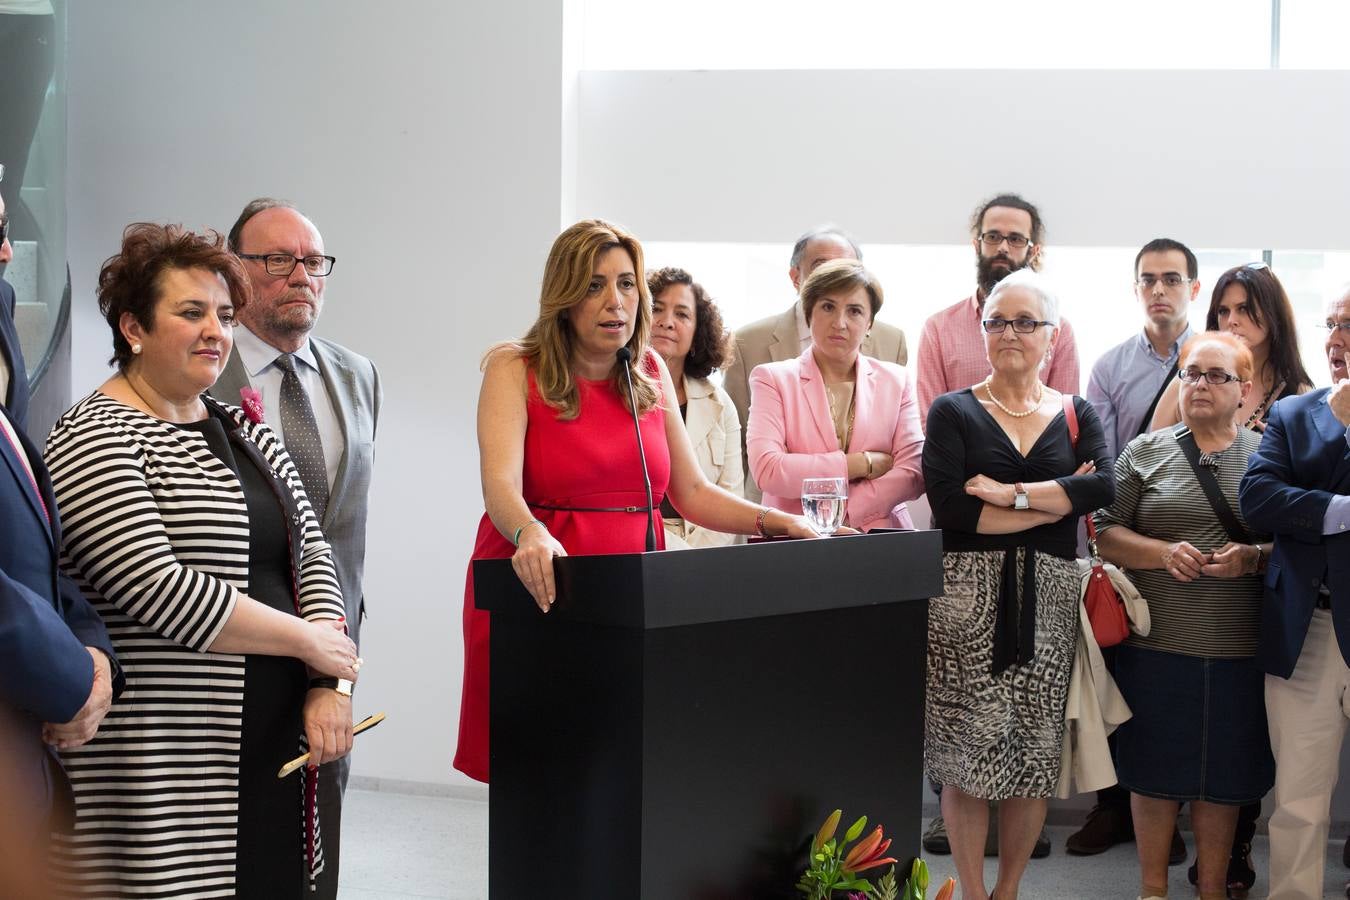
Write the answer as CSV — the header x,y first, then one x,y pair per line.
x,y
1128,379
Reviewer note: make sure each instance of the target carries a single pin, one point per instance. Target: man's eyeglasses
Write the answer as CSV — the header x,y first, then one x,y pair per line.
x,y
1020,326
1169,280
284,263
1344,327
1015,240
1192,375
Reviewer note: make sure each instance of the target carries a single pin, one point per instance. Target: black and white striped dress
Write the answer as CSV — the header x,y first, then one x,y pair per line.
x,y
156,534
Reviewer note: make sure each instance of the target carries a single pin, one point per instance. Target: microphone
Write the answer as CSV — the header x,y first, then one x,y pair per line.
x,y
625,357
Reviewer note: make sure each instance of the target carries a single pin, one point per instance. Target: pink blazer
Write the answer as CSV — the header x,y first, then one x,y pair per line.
x,y
790,436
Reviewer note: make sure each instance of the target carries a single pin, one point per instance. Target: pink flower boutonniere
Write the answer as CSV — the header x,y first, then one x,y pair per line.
x,y
253,406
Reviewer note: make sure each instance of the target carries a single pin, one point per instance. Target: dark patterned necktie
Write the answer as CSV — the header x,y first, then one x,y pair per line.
x,y
300,433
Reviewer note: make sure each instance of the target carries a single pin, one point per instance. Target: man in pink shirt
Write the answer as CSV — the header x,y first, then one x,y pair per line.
x,y
1006,232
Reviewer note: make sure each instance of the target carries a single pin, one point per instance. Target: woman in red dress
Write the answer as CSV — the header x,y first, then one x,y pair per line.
x,y
555,435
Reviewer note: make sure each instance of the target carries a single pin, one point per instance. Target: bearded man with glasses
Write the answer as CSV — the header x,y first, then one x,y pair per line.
x,y
1007,234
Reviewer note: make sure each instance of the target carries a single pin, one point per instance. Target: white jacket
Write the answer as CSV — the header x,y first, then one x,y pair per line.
x,y
1096,707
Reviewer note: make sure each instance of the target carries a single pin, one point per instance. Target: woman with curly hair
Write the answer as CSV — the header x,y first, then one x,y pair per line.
x,y
687,331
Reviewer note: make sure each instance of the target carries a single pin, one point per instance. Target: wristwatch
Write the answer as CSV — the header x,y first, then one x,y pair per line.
x,y
341,685
1020,498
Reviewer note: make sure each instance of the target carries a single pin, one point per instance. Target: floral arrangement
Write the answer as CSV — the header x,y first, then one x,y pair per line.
x,y
831,868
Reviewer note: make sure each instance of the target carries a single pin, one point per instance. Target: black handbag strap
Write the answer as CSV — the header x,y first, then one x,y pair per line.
x,y
1152,407
1210,485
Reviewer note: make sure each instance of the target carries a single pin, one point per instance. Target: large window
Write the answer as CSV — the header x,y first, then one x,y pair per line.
x,y
750,281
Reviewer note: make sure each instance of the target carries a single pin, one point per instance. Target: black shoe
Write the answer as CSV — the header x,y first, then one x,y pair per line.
x,y
1042,848
1241,874
1177,854
935,838
1105,827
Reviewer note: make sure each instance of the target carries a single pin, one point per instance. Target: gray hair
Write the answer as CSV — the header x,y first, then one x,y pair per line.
x,y
1031,281
820,231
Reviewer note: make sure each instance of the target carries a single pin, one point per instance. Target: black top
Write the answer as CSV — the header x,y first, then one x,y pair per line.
x,y
964,440
668,510
269,838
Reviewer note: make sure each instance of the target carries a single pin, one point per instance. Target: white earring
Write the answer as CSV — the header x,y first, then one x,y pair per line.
x,y
136,348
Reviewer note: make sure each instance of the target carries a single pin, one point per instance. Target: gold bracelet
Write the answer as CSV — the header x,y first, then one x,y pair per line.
x,y
868,457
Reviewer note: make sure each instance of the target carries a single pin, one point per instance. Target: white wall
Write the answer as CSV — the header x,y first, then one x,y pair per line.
x,y
423,139
1221,159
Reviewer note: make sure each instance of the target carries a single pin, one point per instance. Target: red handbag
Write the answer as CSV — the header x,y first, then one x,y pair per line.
x,y
1105,609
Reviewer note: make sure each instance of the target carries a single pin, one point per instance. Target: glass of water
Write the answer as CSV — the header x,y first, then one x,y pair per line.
x,y
823,502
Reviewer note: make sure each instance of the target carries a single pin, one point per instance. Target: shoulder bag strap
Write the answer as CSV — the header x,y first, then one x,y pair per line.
x,y
1071,419
1210,484
1152,407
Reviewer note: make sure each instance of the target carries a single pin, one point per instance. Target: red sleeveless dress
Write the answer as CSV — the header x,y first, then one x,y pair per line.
x,y
590,461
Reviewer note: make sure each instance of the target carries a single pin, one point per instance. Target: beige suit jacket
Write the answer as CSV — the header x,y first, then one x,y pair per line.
x,y
775,339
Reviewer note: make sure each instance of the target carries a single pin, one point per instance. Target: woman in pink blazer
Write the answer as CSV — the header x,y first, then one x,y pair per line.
x,y
834,412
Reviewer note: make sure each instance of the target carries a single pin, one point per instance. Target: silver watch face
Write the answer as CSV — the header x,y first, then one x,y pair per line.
x,y
1021,501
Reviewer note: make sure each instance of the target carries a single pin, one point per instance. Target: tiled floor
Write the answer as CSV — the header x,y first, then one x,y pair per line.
x,y
398,846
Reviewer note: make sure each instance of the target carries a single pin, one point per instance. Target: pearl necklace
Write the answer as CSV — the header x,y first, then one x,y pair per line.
x,y
1040,393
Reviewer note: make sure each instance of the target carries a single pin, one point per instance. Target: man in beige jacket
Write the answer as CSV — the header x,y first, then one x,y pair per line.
x,y
786,335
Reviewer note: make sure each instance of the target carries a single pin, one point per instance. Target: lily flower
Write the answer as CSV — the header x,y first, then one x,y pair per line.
x,y
868,853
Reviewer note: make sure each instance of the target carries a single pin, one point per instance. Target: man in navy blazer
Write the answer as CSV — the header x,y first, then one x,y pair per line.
x,y
58,673
1296,488
13,373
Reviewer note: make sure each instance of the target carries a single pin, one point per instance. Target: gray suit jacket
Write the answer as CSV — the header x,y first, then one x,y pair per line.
x,y
354,387
775,339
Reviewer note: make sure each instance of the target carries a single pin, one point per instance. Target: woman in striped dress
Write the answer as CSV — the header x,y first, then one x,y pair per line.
x,y
1199,731
187,527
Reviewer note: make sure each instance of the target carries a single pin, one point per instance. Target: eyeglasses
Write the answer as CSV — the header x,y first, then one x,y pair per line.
x,y
1020,326
1015,240
1331,327
1169,280
284,263
1192,375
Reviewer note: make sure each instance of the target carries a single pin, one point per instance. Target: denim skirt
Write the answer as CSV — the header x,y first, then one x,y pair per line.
x,y
1199,727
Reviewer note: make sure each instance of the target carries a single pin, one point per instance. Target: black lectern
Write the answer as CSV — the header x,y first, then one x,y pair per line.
x,y
680,722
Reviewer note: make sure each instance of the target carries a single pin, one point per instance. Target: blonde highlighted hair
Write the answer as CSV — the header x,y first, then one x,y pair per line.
x,y
548,346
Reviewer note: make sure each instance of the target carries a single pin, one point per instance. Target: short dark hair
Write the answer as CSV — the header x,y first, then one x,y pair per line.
x,y
130,281
820,231
840,275
253,207
1270,308
711,347
1012,201
1166,245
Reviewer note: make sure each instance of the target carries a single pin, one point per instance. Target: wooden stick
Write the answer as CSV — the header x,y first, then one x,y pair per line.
x,y
365,724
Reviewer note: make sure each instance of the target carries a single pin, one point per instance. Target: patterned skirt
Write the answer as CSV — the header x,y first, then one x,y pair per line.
x,y
998,736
